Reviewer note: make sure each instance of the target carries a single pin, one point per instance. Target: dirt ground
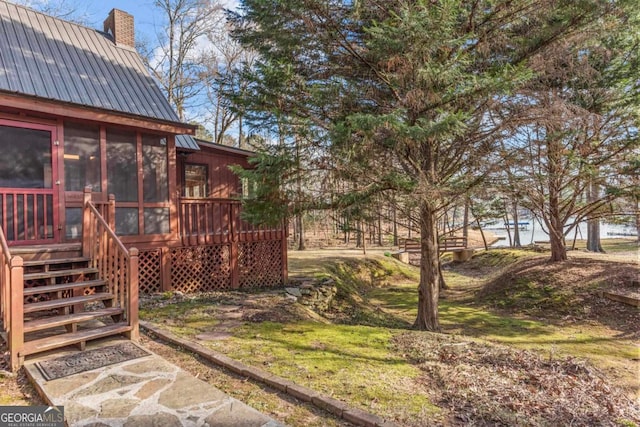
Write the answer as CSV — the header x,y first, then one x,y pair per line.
x,y
15,388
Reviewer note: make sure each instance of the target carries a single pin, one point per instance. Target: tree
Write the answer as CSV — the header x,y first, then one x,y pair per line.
x,y
201,131
223,80
575,122
176,58
399,93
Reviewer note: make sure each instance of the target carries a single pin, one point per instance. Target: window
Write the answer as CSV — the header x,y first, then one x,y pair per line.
x,y
26,158
81,157
247,188
137,174
154,163
122,167
73,226
126,221
156,221
195,180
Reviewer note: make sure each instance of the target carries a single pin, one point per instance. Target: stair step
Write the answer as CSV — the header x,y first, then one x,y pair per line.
x,y
65,302
35,263
60,273
63,340
45,252
53,322
63,287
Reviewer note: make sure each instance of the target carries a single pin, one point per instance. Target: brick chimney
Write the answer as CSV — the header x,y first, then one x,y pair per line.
x,y
120,25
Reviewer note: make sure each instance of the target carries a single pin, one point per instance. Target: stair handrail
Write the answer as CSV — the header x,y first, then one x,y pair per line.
x,y
5,265
115,263
12,301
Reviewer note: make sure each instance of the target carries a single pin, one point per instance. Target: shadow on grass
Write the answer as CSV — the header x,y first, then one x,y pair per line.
x,y
339,343
476,322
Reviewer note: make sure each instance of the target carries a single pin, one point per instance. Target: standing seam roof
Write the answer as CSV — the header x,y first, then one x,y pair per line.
x,y
58,60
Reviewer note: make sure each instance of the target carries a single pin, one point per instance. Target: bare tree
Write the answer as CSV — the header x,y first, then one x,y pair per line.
x,y
176,59
223,75
575,124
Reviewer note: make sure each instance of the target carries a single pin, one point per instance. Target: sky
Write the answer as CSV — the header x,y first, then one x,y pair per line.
x,y
146,16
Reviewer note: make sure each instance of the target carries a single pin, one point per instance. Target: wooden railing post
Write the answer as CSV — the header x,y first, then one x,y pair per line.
x,y
111,214
165,270
16,313
132,296
87,232
285,267
233,248
5,293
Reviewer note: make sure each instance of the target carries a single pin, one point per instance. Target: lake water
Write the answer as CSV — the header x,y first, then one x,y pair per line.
x,y
534,232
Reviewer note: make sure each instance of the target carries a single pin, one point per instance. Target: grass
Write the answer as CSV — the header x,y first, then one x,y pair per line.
x,y
354,363
603,346
354,357
185,318
349,362
612,245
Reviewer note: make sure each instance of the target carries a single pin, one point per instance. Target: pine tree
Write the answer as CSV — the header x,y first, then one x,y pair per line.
x,y
400,94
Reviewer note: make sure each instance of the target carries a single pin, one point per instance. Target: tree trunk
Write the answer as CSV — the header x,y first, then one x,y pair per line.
x,y
465,219
395,224
556,233
638,217
508,227
555,223
516,227
443,283
364,242
484,239
300,222
240,139
429,288
379,228
558,249
593,224
593,236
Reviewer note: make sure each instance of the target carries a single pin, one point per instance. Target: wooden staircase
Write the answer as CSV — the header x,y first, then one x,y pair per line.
x,y
65,302
52,296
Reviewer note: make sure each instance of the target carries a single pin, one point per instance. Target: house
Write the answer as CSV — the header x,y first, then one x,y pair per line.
x,y
104,193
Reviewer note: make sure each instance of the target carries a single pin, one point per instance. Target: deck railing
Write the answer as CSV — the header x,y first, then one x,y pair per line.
x,y
11,300
115,264
28,215
215,221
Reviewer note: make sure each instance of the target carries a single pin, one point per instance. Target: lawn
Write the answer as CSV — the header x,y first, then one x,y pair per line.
x,y
363,352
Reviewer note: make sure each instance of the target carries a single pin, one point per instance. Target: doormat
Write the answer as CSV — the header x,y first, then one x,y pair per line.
x,y
89,360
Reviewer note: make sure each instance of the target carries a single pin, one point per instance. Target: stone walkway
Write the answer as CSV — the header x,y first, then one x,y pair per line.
x,y
147,391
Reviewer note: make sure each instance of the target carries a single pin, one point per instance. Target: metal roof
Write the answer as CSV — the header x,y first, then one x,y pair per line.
x,y
227,148
186,141
58,60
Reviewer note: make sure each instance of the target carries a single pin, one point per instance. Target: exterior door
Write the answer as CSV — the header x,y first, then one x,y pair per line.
x,y
28,183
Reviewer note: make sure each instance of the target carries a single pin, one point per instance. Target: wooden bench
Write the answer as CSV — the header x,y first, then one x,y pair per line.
x,y
447,244
455,244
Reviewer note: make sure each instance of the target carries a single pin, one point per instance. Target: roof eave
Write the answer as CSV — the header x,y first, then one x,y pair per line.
x,y
83,112
225,148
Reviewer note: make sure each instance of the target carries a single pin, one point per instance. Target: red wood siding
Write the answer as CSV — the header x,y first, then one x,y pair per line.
x,y
222,182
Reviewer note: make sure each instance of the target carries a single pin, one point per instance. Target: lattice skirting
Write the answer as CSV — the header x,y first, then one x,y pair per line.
x,y
150,271
200,268
208,268
260,264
